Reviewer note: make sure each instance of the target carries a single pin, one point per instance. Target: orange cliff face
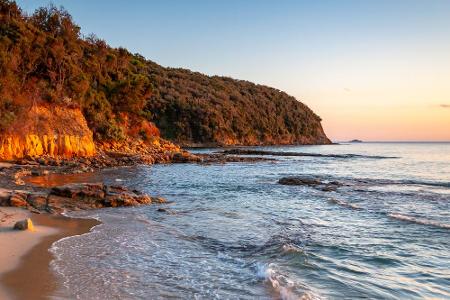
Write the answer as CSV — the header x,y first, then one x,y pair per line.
x,y
67,146
54,132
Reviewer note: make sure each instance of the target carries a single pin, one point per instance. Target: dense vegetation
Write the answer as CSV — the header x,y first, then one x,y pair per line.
x,y
44,60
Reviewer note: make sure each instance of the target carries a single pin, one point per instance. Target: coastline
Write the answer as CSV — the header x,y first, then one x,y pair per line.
x,y
25,258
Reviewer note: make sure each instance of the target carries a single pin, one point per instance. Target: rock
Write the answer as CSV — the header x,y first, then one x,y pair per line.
x,y
117,200
162,210
87,196
80,196
299,181
38,201
18,199
335,183
24,225
94,190
329,188
116,189
35,173
4,197
42,161
56,204
5,165
159,200
144,199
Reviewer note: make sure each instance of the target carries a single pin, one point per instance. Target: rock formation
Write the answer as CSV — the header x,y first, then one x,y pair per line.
x,y
76,197
50,131
326,186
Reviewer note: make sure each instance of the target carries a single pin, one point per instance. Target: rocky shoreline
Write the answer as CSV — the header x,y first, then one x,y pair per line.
x,y
72,197
15,192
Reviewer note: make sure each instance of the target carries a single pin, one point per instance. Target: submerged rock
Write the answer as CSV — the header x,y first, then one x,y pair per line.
x,y
331,186
299,181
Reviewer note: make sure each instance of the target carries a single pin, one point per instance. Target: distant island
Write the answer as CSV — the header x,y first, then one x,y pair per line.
x,y
355,141
62,93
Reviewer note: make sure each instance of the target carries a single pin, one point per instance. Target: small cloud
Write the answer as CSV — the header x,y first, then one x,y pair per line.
x,y
347,90
444,105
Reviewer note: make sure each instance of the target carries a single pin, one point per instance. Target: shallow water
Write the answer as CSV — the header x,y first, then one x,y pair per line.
x,y
230,231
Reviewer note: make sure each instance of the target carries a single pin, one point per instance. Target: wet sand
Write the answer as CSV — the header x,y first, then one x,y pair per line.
x,y
25,256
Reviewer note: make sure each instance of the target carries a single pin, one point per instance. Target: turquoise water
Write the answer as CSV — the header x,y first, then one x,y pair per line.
x,y
231,231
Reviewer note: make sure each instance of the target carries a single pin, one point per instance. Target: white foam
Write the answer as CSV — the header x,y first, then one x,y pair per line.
x,y
345,204
418,220
281,284
290,248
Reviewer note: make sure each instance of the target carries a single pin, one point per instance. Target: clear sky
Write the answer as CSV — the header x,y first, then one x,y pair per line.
x,y
373,70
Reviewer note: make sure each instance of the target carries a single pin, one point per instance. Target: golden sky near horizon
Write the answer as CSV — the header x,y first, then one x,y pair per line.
x,y
394,98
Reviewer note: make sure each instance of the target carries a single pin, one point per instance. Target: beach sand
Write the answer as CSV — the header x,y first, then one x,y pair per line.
x,y
24,255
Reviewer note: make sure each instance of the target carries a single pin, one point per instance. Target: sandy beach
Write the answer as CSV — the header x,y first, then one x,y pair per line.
x,y
24,255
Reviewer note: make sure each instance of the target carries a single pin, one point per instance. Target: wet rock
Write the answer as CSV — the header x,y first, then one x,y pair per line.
x,y
4,197
145,199
116,200
184,157
94,190
117,189
38,201
24,225
221,158
56,204
96,195
329,188
159,200
324,186
310,181
18,199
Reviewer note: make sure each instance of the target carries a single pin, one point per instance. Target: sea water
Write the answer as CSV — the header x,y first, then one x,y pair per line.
x,y
230,231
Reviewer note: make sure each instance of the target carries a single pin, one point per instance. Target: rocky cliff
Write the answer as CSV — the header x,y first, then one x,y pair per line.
x,y
50,131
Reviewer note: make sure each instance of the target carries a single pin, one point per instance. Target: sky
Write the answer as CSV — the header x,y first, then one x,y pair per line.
x,y
372,70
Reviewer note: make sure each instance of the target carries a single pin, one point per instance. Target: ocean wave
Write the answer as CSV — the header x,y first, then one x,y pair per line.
x,y
362,182
421,221
427,183
281,284
291,248
308,154
367,181
345,204
57,246
274,245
